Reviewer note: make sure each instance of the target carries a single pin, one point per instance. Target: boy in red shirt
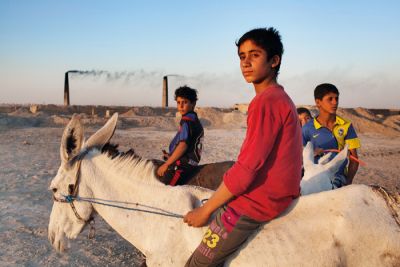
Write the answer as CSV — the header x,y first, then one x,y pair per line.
x,y
266,176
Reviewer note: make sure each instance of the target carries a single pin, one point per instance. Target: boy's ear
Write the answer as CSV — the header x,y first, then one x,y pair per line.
x,y
275,61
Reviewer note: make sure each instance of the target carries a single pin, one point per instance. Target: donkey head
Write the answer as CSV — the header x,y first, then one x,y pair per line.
x,y
318,177
63,219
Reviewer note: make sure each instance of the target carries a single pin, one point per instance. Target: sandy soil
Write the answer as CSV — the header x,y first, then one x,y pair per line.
x,y
29,159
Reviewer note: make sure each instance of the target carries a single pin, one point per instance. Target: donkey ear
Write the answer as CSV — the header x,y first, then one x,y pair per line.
x,y
72,139
337,161
324,159
102,136
308,155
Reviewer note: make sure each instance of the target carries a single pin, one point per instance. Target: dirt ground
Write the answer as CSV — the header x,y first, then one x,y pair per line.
x,y
29,159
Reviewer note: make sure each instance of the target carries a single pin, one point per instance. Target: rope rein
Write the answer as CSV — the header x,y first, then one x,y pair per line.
x,y
154,210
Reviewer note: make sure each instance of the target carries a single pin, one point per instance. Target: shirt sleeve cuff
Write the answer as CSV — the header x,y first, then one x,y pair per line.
x,y
353,143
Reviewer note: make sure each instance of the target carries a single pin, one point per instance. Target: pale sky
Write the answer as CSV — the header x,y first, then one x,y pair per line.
x,y
352,44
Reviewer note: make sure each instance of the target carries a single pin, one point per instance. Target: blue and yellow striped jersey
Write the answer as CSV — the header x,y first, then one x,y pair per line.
x,y
343,133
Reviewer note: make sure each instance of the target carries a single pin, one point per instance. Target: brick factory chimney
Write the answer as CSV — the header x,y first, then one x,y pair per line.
x,y
66,90
164,103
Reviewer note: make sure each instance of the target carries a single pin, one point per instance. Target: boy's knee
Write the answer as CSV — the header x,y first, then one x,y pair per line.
x,y
168,175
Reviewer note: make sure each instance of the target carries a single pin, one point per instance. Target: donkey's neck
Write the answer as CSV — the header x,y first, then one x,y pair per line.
x,y
133,180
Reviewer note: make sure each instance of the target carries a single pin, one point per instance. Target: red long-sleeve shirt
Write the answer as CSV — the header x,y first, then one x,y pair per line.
x,y
266,176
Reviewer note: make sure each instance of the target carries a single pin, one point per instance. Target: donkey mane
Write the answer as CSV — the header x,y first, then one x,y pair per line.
x,y
112,151
128,163
124,163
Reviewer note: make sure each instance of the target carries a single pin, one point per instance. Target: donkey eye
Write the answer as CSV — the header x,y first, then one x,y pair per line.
x,y
71,188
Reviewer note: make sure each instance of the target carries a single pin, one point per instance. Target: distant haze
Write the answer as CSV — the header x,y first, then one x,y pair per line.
x,y
141,88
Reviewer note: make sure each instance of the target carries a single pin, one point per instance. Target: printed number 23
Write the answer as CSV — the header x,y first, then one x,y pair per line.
x,y
213,241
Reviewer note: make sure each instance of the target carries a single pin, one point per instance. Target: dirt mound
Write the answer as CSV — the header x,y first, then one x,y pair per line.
x,y
22,111
21,121
221,118
365,113
60,120
393,121
363,124
129,113
158,122
235,119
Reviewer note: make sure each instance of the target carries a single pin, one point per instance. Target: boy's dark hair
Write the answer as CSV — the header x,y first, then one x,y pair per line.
x,y
186,92
302,110
268,39
323,89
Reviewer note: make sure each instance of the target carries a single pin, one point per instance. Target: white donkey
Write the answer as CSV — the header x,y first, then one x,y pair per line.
x,y
353,226
319,177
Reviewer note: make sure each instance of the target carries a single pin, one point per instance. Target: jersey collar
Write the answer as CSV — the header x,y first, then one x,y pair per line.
x,y
339,121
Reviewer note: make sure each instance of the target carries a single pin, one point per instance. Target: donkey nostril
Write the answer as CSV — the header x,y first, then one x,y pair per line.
x,y
54,190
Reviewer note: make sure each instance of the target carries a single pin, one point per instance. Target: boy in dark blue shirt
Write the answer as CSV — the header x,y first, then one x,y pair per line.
x,y
185,148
